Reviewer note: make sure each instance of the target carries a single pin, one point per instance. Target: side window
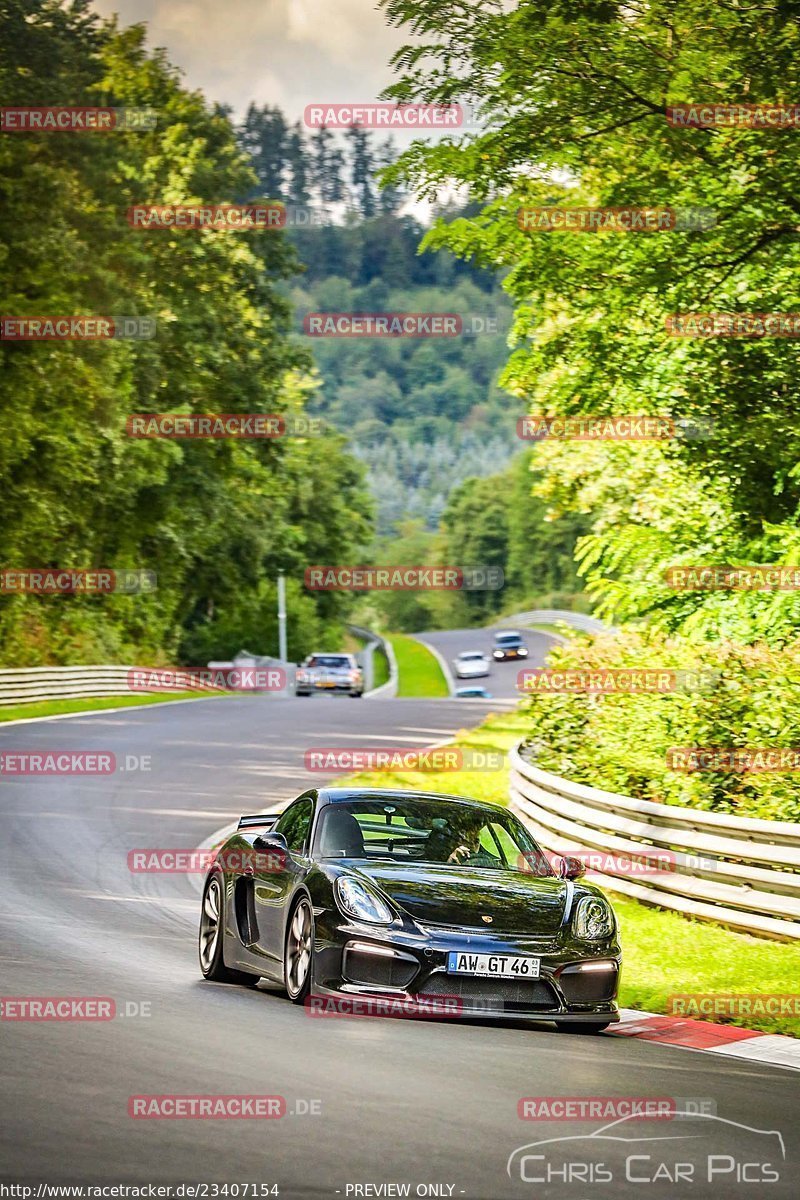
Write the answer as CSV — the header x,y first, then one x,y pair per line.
x,y
508,847
295,824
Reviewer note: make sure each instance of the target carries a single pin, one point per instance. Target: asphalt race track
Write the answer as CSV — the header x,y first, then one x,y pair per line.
x,y
501,681
369,1101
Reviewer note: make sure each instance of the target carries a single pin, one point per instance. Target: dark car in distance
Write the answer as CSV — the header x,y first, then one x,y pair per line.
x,y
366,892
509,645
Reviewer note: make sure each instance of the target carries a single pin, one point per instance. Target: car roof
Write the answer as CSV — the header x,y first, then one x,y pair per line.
x,y
338,795
508,633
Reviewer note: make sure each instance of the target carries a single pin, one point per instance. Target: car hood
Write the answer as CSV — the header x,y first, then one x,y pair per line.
x,y
463,896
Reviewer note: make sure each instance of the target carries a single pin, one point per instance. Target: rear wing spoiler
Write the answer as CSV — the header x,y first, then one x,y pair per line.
x,y
263,821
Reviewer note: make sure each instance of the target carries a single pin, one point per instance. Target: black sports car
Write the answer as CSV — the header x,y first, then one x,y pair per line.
x,y
413,895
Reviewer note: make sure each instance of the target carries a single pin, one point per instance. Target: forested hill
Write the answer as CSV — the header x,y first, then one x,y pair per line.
x,y
424,414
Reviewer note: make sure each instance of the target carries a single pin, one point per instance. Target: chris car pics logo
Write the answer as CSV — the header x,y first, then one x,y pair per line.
x,y
690,1148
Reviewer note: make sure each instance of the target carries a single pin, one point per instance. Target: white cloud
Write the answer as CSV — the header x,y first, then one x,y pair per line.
x,y
286,52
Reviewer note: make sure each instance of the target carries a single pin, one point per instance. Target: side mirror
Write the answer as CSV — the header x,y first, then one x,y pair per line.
x,y
571,868
270,841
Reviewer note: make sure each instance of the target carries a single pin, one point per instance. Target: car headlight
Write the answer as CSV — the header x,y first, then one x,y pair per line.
x,y
594,919
497,654
523,653
356,900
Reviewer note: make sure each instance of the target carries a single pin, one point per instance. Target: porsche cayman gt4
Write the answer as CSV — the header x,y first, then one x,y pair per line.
x,y
373,893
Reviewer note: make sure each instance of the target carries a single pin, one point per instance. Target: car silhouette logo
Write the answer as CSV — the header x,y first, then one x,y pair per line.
x,y
486,920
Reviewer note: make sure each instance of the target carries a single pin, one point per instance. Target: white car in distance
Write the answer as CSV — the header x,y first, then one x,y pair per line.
x,y
471,664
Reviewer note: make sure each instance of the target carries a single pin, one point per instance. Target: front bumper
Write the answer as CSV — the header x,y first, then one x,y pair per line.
x,y
343,685
354,959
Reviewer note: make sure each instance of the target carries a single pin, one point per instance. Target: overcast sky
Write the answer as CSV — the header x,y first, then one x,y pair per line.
x,y
285,52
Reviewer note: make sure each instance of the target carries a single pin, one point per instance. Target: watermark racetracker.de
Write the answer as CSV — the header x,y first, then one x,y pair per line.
x,y
649,219
52,763
71,1008
447,578
611,681
643,427
398,324
396,758
712,577
38,328
60,581
62,118
203,426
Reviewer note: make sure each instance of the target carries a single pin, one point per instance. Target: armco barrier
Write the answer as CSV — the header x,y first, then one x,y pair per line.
x,y
551,616
68,683
737,871
366,659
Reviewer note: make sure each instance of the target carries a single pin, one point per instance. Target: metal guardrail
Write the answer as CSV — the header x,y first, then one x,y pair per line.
x,y
738,871
551,616
26,685
375,642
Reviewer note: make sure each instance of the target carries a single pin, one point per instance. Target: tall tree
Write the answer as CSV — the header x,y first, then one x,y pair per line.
x,y
266,139
362,171
213,520
298,166
583,97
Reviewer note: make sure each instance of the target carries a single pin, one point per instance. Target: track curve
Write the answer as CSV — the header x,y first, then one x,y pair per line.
x,y
399,1101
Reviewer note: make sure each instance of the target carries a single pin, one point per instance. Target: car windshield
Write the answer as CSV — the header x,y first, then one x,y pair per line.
x,y
508,637
471,654
429,831
336,661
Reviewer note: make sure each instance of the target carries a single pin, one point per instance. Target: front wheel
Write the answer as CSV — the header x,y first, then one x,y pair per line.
x,y
212,927
298,953
582,1026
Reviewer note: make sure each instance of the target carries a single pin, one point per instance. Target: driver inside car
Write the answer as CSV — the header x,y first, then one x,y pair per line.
x,y
462,845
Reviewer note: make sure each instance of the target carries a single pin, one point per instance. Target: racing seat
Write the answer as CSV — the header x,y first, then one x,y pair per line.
x,y
341,836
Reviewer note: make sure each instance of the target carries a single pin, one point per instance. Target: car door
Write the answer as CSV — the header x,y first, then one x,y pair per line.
x,y
275,883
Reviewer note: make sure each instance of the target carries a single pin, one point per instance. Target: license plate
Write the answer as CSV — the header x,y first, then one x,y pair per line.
x,y
326,683
512,654
493,966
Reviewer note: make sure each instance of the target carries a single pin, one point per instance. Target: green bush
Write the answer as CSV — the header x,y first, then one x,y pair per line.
x,y
620,742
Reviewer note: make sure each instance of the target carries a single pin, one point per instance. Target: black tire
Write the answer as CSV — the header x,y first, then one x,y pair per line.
x,y
212,925
298,951
302,693
356,695
582,1026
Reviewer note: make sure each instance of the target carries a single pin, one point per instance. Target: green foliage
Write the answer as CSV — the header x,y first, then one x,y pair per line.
x,y
419,674
214,520
620,742
575,114
424,415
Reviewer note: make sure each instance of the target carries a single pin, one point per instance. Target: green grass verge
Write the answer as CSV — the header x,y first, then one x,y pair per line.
x,y
664,954
418,671
52,708
380,669
543,628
